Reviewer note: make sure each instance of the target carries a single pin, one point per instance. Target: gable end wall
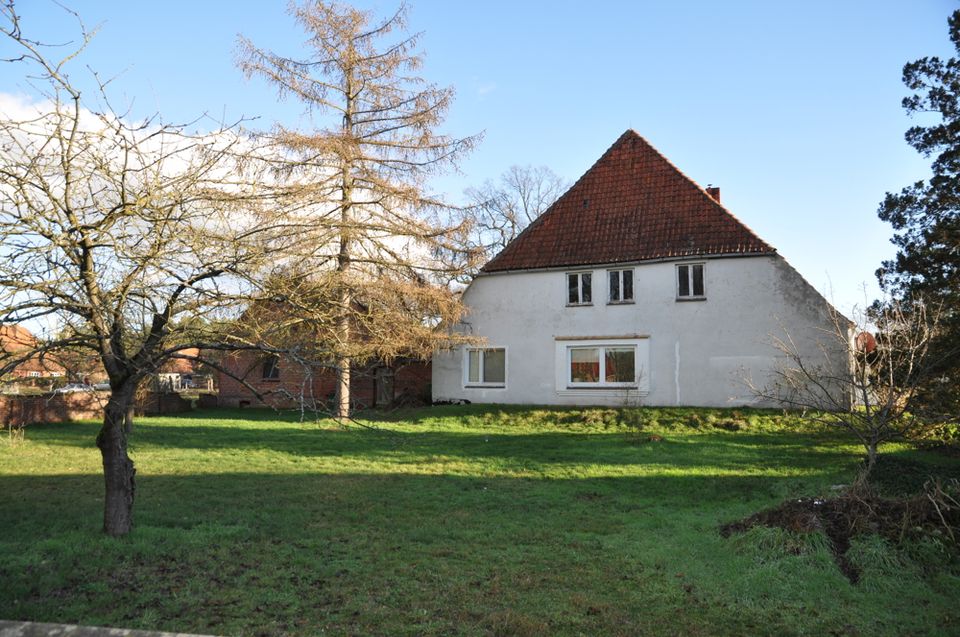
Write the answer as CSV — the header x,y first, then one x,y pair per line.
x,y
701,353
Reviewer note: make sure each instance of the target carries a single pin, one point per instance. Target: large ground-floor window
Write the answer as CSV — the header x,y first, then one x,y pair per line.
x,y
602,365
616,364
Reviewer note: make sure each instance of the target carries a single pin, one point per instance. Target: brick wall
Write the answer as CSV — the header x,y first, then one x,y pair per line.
x,y
157,404
411,385
20,410
411,382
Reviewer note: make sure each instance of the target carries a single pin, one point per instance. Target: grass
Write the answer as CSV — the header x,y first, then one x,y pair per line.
x,y
455,520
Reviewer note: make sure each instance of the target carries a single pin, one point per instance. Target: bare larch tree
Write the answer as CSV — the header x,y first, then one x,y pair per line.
x,y
362,171
133,242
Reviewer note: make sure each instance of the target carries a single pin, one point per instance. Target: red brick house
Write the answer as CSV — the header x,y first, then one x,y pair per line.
x,y
15,339
284,383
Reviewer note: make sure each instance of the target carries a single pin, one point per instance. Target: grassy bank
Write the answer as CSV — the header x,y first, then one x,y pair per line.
x,y
455,520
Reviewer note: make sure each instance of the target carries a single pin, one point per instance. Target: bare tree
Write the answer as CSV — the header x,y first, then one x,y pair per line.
x,y
134,241
865,381
363,174
501,210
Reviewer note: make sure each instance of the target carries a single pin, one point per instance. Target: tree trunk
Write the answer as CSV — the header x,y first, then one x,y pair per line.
x,y
343,388
344,257
118,471
871,459
128,419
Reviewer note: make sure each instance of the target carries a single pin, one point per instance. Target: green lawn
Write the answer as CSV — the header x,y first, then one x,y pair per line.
x,y
454,520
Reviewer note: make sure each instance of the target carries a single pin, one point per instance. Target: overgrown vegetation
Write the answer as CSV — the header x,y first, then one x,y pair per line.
x,y
465,520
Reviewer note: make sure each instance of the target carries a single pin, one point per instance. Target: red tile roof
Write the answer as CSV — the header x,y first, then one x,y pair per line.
x,y
15,339
632,205
181,365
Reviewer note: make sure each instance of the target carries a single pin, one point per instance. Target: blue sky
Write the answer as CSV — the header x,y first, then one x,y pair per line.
x,y
791,108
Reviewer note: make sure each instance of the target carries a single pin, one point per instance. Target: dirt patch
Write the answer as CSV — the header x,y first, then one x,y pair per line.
x,y
860,511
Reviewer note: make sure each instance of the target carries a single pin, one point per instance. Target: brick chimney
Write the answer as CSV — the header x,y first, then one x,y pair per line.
x,y
714,192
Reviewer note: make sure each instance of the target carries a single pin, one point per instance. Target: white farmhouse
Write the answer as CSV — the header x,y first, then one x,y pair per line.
x,y
636,287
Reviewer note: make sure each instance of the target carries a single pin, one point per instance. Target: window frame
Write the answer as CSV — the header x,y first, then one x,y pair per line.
x,y
589,391
482,384
566,290
601,383
620,276
691,278
270,368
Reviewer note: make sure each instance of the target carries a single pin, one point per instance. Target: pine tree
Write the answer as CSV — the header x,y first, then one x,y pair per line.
x,y
926,217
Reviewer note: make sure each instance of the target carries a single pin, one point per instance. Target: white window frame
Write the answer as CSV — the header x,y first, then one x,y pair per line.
x,y
467,383
566,288
601,352
641,367
690,269
620,273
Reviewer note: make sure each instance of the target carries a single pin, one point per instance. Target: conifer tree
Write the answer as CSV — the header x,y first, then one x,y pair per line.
x,y
362,172
926,218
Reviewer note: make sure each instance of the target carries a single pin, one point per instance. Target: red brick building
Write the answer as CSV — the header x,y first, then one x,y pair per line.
x,y
285,383
15,339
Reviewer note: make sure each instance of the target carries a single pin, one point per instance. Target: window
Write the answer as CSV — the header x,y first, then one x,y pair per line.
x,y
621,286
690,281
588,366
271,368
487,367
34,374
602,366
578,288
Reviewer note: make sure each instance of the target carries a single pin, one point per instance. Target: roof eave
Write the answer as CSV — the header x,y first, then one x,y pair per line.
x,y
611,264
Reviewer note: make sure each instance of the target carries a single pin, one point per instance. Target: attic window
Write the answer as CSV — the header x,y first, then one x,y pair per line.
x,y
690,282
579,288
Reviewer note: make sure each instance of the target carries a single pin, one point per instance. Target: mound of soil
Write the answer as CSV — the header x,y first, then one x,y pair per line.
x,y
861,511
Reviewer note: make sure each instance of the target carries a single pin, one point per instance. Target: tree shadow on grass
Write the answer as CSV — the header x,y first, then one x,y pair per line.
x,y
38,508
610,528
720,451
230,553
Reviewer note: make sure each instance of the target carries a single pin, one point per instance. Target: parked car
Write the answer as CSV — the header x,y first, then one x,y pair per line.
x,y
71,388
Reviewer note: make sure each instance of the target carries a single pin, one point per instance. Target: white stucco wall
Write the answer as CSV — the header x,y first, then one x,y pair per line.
x,y
695,353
